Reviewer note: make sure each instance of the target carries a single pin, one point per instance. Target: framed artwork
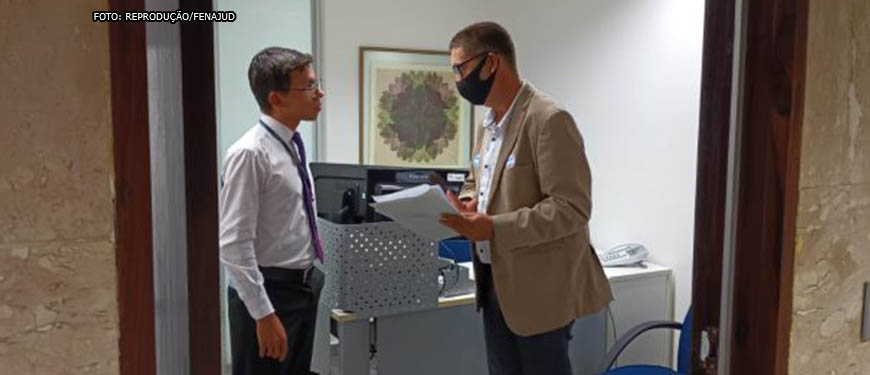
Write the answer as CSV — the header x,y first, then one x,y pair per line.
x,y
410,111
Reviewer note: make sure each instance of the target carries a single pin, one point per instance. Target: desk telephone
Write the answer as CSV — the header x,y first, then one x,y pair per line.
x,y
623,255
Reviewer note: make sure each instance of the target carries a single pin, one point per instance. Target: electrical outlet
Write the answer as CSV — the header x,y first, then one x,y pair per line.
x,y
865,325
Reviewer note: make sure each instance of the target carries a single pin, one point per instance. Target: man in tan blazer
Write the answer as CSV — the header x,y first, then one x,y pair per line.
x,y
526,204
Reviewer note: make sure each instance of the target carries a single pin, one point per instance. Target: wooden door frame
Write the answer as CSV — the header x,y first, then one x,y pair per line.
x,y
767,112
712,174
201,191
771,115
133,227
133,223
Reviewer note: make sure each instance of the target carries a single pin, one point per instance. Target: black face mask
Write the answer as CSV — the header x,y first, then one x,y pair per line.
x,y
473,88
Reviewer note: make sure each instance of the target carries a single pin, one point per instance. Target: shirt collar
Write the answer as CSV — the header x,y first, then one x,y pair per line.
x,y
489,117
283,131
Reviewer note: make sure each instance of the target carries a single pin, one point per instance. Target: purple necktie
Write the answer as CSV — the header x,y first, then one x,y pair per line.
x,y
307,196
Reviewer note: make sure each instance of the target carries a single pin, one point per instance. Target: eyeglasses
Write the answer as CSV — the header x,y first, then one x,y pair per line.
x,y
457,69
314,85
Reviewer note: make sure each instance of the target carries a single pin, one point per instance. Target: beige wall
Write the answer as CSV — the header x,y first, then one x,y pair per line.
x,y
58,309
833,233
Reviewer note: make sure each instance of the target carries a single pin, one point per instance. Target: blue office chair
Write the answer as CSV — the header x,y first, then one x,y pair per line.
x,y
683,358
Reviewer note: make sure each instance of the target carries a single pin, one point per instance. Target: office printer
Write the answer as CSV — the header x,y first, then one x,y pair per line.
x,y
344,191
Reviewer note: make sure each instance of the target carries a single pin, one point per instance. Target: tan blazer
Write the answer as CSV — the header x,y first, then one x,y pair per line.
x,y
544,270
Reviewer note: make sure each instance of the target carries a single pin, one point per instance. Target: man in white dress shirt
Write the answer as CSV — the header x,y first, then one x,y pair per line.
x,y
268,234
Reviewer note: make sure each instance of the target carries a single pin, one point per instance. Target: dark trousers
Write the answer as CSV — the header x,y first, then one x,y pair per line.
x,y
510,354
295,305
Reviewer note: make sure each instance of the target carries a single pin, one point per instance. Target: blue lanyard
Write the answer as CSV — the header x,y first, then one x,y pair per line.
x,y
283,143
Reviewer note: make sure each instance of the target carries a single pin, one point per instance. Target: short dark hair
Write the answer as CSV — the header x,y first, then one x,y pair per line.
x,y
485,37
270,71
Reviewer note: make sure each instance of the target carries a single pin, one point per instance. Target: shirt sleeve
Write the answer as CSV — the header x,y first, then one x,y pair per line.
x,y
244,174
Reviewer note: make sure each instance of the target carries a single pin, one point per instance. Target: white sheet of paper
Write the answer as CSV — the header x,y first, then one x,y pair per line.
x,y
418,209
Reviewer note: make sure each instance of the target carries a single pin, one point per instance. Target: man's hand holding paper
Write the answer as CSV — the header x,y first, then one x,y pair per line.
x,y
469,223
418,209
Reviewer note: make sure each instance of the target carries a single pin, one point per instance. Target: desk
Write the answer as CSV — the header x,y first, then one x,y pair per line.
x,y
449,339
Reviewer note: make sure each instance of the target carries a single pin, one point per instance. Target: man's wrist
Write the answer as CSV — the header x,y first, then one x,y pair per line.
x,y
266,316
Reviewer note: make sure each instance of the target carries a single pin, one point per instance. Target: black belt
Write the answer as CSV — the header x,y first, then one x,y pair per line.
x,y
300,276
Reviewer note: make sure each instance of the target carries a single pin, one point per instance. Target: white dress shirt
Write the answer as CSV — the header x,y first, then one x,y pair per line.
x,y
262,216
485,162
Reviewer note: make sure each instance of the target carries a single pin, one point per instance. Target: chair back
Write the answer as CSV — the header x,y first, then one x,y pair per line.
x,y
684,353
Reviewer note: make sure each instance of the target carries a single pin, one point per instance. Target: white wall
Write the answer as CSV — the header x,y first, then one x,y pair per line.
x,y
259,24
629,71
347,25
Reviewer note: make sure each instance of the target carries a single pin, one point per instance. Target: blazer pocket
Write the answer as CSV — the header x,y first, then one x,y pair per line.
x,y
563,243
540,250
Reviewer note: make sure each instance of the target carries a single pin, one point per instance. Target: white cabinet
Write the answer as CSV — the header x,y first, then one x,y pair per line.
x,y
641,295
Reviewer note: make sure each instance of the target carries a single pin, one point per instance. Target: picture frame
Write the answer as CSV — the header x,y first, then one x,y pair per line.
x,y
410,112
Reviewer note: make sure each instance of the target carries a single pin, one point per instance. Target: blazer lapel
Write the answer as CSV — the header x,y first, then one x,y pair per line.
x,y
512,131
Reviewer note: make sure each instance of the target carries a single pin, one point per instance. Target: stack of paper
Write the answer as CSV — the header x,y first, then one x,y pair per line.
x,y
418,209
